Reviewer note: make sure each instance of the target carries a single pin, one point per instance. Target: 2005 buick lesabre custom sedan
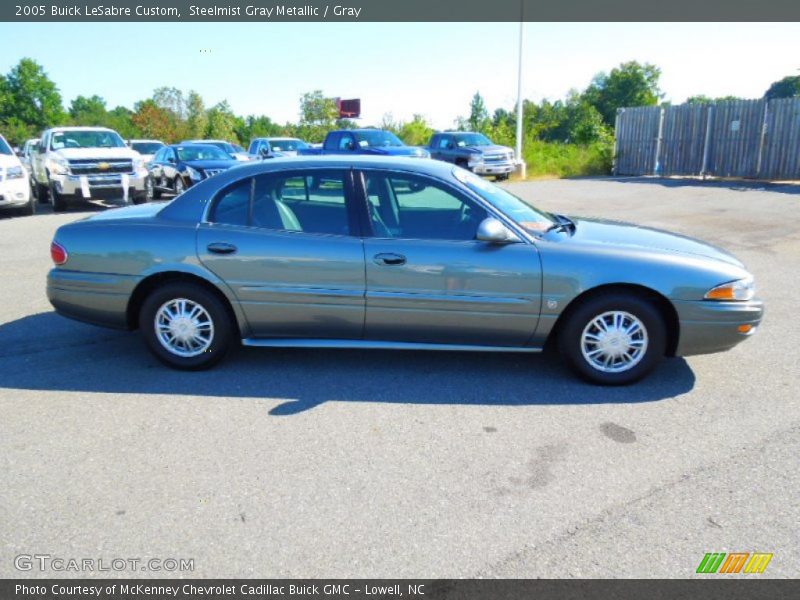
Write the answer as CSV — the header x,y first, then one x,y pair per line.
x,y
375,252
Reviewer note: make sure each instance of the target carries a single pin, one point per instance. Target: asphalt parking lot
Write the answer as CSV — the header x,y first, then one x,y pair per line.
x,y
319,463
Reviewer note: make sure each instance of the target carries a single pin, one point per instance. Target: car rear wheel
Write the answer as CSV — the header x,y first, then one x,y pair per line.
x,y
613,339
186,326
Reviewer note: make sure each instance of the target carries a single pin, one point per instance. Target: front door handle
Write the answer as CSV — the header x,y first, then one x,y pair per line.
x,y
389,259
221,248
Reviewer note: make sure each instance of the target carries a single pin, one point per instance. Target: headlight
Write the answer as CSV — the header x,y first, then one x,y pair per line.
x,y
15,173
474,159
138,163
59,166
194,174
743,289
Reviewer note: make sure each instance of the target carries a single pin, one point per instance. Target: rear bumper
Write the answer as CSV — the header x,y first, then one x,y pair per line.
x,y
707,326
97,298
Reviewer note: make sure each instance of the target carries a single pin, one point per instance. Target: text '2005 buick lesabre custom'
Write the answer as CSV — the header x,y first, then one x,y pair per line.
x,y
377,252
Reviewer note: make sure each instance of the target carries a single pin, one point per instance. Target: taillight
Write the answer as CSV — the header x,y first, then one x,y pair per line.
x,y
58,253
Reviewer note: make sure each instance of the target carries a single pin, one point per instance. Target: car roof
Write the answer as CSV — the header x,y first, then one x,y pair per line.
x,y
146,142
72,128
188,145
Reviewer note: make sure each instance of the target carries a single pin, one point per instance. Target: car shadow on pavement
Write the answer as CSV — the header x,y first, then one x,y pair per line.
x,y
49,353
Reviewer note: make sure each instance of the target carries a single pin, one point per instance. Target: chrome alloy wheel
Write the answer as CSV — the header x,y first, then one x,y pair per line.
x,y
184,327
614,342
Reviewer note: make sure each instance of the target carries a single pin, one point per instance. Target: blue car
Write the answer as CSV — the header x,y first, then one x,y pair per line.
x,y
369,142
179,166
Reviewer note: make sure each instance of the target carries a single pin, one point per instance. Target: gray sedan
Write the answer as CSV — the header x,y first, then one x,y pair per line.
x,y
375,252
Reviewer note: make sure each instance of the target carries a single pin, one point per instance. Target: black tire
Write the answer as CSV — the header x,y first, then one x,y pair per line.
x,y
59,200
42,193
501,177
463,164
223,328
178,186
155,191
571,343
29,209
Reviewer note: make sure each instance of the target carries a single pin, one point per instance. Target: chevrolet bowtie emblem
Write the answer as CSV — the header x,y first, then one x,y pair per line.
x,y
103,166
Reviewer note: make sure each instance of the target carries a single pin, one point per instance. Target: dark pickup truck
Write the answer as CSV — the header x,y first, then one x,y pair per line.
x,y
365,141
472,151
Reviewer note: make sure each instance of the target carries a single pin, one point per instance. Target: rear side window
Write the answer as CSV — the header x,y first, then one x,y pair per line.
x,y
233,207
312,202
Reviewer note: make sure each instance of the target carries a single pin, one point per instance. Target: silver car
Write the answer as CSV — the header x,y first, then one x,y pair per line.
x,y
412,254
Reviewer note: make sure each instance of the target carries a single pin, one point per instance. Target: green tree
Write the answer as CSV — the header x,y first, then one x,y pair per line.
x,y
120,120
788,87
30,101
701,99
88,111
221,122
478,115
318,116
416,132
196,116
629,84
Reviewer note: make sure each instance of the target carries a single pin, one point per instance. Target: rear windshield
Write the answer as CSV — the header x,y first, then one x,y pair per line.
x,y
147,147
287,145
201,152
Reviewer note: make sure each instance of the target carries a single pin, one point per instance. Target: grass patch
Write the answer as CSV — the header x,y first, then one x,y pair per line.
x,y
553,159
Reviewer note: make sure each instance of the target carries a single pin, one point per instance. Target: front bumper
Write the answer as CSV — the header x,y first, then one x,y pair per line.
x,y
492,168
707,326
14,192
100,186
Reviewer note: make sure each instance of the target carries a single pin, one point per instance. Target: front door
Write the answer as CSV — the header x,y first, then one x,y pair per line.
x,y
428,278
283,243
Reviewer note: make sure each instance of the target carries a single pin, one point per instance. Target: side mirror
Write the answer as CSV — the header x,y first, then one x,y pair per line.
x,y
351,146
450,145
263,151
494,232
171,160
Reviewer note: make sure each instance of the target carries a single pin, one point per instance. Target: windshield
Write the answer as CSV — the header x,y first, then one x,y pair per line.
x,y
368,139
201,152
472,139
523,214
86,139
224,146
287,145
147,147
4,147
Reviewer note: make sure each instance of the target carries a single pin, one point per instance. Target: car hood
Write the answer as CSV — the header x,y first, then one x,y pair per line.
x,y
628,235
393,151
210,164
78,153
493,149
9,160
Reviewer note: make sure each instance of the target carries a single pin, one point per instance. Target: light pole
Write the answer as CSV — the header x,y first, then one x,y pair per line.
x,y
520,161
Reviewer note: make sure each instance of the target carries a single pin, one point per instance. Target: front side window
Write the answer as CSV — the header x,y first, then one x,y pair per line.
x,y
408,206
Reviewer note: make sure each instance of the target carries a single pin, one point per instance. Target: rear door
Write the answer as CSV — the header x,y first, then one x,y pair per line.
x,y
428,278
288,245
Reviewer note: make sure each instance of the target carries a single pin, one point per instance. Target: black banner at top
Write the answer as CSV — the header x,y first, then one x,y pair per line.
x,y
398,10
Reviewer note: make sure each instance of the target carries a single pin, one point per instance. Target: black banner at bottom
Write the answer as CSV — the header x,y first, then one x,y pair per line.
x,y
382,589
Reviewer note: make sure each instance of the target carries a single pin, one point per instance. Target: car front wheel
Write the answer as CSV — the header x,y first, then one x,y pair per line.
x,y
613,339
186,326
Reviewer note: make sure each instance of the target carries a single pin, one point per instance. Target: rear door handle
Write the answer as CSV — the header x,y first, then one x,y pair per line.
x,y
221,248
389,259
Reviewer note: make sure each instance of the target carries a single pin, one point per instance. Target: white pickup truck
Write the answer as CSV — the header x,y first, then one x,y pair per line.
x,y
74,163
